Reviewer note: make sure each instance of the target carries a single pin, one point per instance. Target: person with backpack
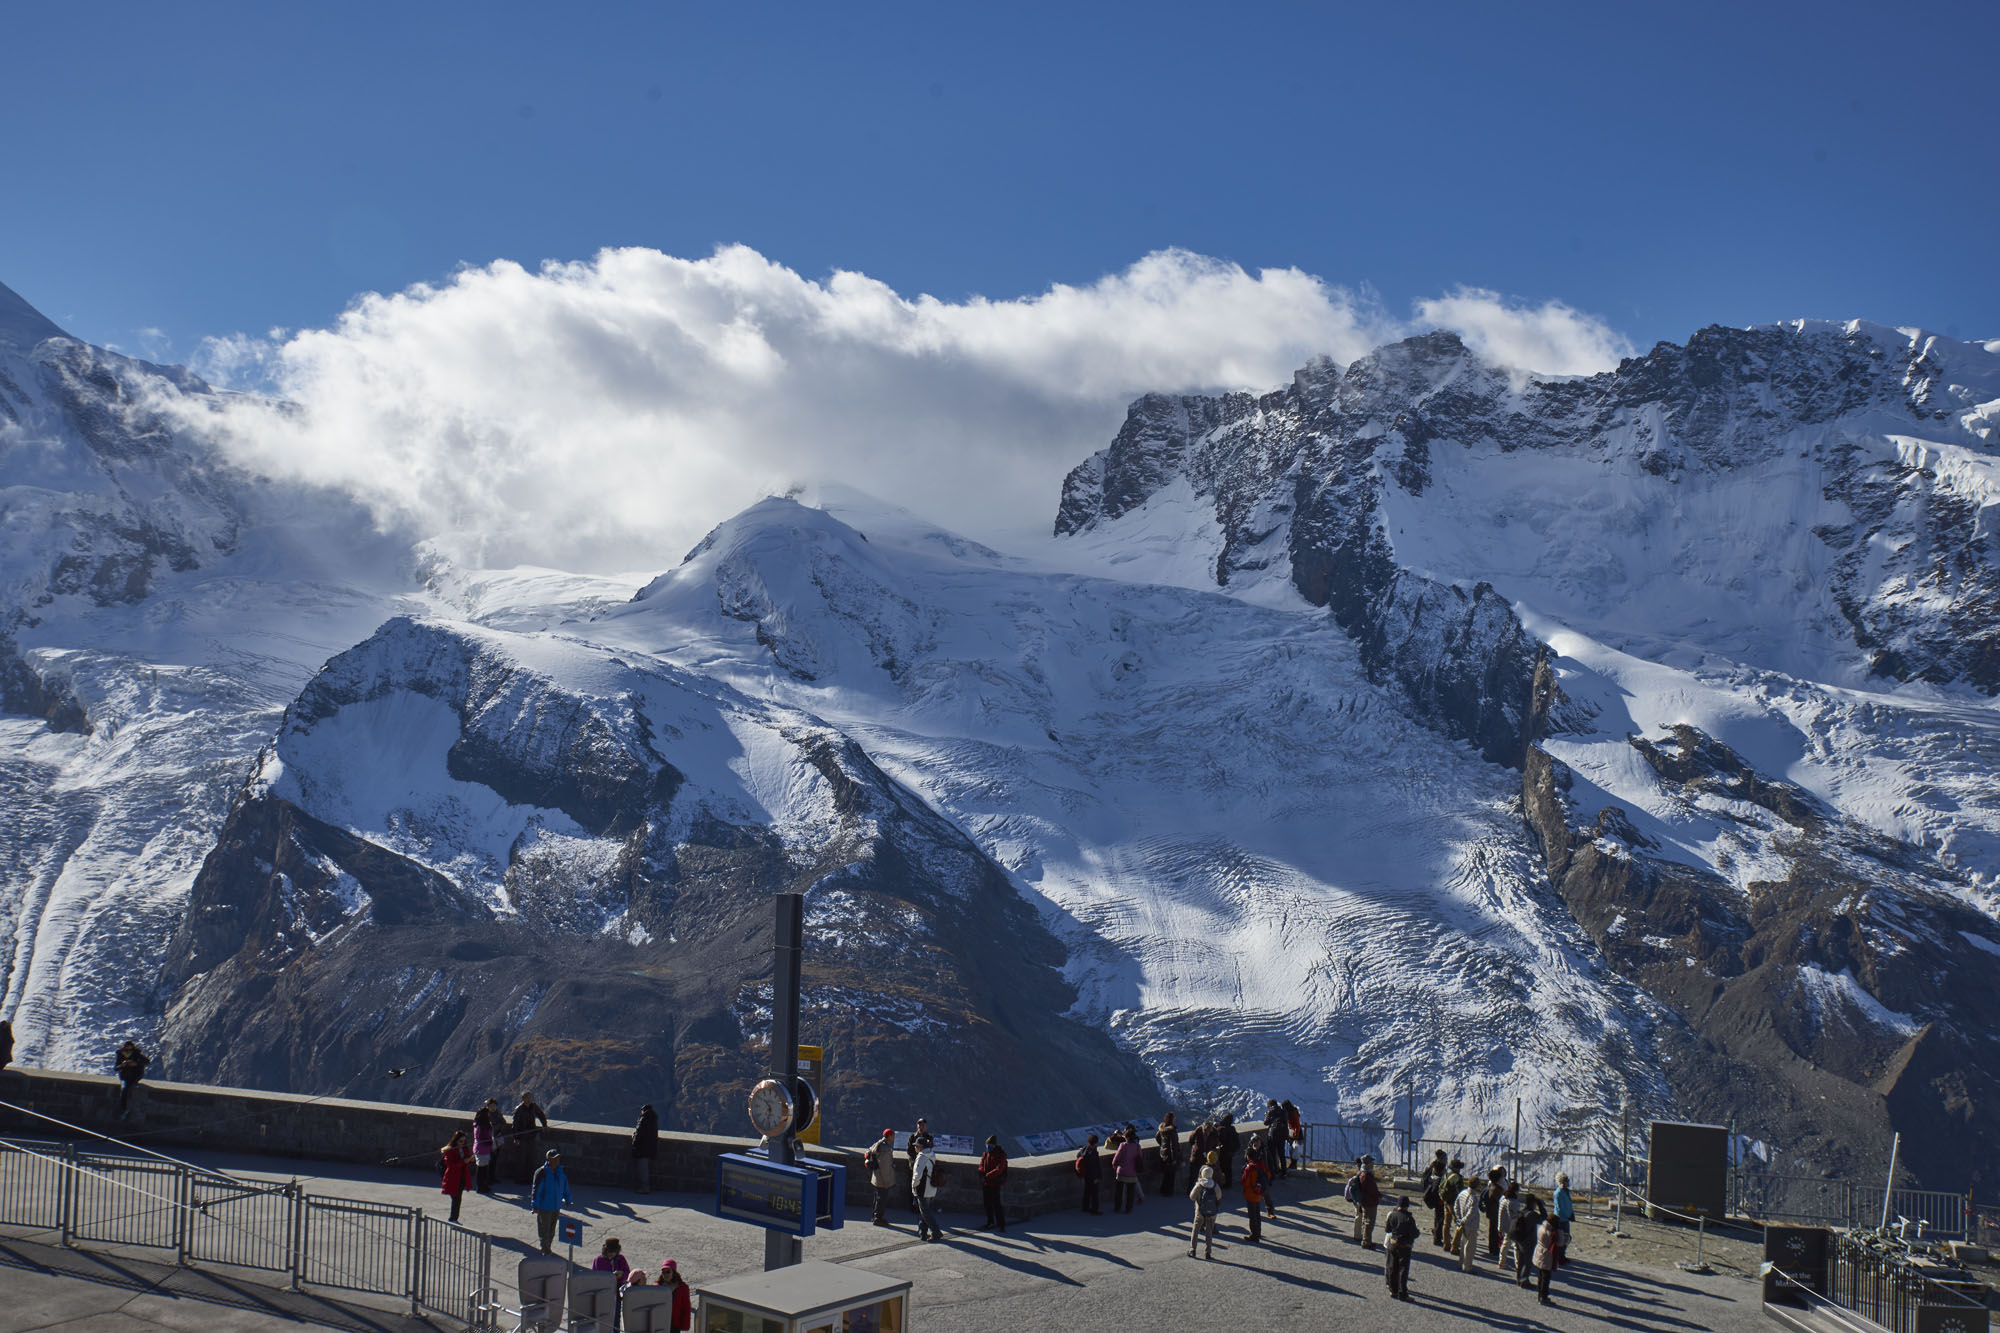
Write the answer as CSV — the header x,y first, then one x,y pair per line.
x,y
1433,1185
992,1175
1367,1197
1200,1140
1454,1185
1089,1166
1125,1171
881,1157
1399,1236
1256,1189
645,1146
130,1062
923,1189
1274,1137
454,1159
1168,1139
1207,1197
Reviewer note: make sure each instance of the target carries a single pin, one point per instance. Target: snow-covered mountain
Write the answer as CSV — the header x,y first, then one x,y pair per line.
x,y
1420,729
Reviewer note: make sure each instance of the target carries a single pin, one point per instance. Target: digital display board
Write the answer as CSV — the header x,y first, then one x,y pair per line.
x,y
749,1189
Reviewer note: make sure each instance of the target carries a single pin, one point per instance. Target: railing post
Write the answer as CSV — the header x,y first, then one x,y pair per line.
x,y
295,1233
183,1213
416,1260
66,1196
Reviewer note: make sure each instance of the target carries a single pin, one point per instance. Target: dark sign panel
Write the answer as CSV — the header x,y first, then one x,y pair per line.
x,y
784,1198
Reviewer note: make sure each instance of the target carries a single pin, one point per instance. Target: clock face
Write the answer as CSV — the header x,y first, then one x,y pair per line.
x,y
770,1107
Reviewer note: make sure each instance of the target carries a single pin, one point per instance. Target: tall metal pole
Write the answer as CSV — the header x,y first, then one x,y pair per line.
x,y
1895,1146
781,1250
1515,1173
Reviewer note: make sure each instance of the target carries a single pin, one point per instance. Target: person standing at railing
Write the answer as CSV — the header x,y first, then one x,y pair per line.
x,y
529,1121
549,1197
453,1159
1295,1138
6,1044
1564,1211
881,1159
1230,1142
992,1175
1367,1198
645,1146
1274,1136
482,1148
130,1063
1125,1171
1168,1139
1089,1167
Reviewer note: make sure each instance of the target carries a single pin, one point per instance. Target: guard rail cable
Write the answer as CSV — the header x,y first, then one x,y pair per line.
x,y
1648,1206
199,1209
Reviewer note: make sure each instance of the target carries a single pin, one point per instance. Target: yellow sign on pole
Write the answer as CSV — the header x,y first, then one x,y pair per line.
x,y
811,1060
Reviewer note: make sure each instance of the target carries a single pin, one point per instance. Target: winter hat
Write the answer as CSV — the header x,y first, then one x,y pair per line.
x,y
992,1140
551,1155
888,1133
1208,1173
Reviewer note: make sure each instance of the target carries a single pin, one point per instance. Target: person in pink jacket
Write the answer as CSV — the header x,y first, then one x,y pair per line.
x,y
1125,1172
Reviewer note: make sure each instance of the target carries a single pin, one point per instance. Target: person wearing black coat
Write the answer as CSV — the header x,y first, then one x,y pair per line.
x,y
646,1146
529,1121
1489,1203
1231,1142
6,1044
131,1062
1169,1140
1090,1166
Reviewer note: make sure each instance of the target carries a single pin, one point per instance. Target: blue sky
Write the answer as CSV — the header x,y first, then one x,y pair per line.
x,y
203,169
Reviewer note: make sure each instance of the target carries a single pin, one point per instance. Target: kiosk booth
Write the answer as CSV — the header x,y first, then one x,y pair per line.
x,y
808,1297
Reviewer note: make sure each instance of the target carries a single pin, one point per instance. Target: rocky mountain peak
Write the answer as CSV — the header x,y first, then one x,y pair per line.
x,y
21,325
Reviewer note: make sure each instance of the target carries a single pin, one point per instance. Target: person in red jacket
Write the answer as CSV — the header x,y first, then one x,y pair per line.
x,y
993,1174
1256,1189
454,1166
670,1276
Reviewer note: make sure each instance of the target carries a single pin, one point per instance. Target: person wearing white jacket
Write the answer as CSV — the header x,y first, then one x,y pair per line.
x,y
1465,1211
923,1185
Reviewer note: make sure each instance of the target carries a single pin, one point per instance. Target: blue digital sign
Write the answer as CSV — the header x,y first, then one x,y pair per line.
x,y
783,1198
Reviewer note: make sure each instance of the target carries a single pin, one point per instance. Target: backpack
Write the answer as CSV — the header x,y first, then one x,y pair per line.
x,y
1349,1192
1207,1205
1431,1199
1078,1165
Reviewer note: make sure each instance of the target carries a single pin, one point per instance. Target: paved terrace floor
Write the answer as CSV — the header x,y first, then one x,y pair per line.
x,y
1065,1270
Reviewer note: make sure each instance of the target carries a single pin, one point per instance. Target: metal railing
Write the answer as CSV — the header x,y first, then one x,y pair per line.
x,y
85,1196
1877,1287
1818,1201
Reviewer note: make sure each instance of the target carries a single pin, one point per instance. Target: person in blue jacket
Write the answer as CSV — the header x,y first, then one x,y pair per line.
x,y
551,1196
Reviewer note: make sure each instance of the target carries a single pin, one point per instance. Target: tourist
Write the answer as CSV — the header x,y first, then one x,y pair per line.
x,y
130,1062
881,1157
1465,1217
1207,1198
1090,1166
1367,1198
1199,1143
529,1121
1454,1185
1511,1205
1125,1171
1564,1211
1545,1258
453,1159
645,1146
1231,1142
611,1259
482,1148
1489,1203
1168,1139
992,1175
1256,1188
1433,1186
1399,1235
1274,1136
1527,1226
637,1278
923,1189
670,1277
920,1139
1295,1138
549,1195
6,1044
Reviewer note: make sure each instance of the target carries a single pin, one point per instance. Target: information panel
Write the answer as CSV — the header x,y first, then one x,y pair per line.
x,y
783,1198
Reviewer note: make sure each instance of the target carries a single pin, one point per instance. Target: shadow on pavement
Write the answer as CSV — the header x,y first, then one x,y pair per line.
x,y
165,1282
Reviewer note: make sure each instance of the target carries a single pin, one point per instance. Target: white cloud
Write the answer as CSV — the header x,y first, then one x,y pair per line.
x,y
604,414
1553,338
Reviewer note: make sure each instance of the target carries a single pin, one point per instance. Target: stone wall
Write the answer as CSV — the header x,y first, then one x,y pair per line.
x,y
166,1116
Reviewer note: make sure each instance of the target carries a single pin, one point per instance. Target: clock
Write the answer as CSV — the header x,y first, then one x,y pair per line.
x,y
771,1108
